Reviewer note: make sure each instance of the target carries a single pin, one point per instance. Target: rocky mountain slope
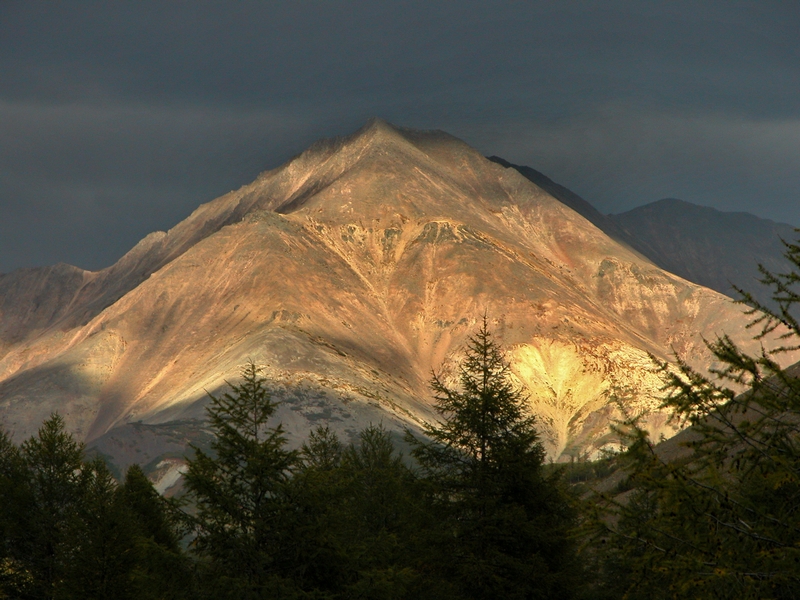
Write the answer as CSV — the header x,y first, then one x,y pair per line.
x,y
351,272
713,248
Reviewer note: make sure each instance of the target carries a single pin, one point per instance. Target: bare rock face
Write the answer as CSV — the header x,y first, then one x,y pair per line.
x,y
351,273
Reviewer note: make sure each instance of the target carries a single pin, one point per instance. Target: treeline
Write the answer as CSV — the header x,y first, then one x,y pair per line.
x,y
68,529
474,512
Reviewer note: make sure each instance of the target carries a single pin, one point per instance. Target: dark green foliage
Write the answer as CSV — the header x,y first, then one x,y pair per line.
x,y
381,516
56,483
152,513
70,531
99,551
239,493
724,520
356,513
16,579
161,569
314,537
502,524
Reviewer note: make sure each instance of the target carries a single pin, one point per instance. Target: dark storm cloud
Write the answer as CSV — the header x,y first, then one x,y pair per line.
x,y
119,119
91,181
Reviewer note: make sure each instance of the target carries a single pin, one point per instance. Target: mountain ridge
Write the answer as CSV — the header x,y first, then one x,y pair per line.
x,y
713,248
717,249
351,272
573,200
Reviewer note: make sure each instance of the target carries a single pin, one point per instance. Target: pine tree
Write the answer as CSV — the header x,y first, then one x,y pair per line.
x,y
503,524
239,491
723,520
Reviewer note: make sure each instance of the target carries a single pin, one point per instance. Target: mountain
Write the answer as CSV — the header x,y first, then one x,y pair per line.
x,y
351,272
713,248
603,222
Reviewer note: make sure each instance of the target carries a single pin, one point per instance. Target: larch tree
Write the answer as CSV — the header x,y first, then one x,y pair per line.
x,y
723,519
503,524
238,491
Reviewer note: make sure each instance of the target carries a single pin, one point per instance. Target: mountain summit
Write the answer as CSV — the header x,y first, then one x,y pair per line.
x,y
352,272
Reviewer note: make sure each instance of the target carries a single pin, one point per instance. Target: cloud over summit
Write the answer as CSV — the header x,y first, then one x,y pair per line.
x,y
118,119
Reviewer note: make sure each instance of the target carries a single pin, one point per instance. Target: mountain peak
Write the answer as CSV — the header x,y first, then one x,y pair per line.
x,y
373,160
377,132
344,150
381,134
386,247
376,125
374,130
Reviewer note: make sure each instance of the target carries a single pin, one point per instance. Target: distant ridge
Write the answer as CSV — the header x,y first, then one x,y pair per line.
x,y
714,248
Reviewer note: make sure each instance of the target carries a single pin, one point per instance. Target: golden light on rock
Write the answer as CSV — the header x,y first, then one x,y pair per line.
x,y
351,272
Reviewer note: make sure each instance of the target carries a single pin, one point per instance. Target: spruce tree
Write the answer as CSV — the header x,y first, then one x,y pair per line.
x,y
503,524
239,492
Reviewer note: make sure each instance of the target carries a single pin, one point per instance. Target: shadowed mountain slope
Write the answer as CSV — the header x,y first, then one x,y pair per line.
x,y
351,272
710,247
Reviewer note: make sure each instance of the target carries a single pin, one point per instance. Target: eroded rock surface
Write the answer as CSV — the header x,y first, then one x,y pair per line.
x,y
351,273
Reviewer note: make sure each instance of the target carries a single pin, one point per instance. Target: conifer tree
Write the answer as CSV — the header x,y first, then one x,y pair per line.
x,y
723,520
355,519
380,517
239,492
54,461
161,569
68,530
503,524
16,579
100,555
313,545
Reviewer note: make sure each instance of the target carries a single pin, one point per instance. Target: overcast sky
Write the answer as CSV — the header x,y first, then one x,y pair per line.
x,y
118,119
